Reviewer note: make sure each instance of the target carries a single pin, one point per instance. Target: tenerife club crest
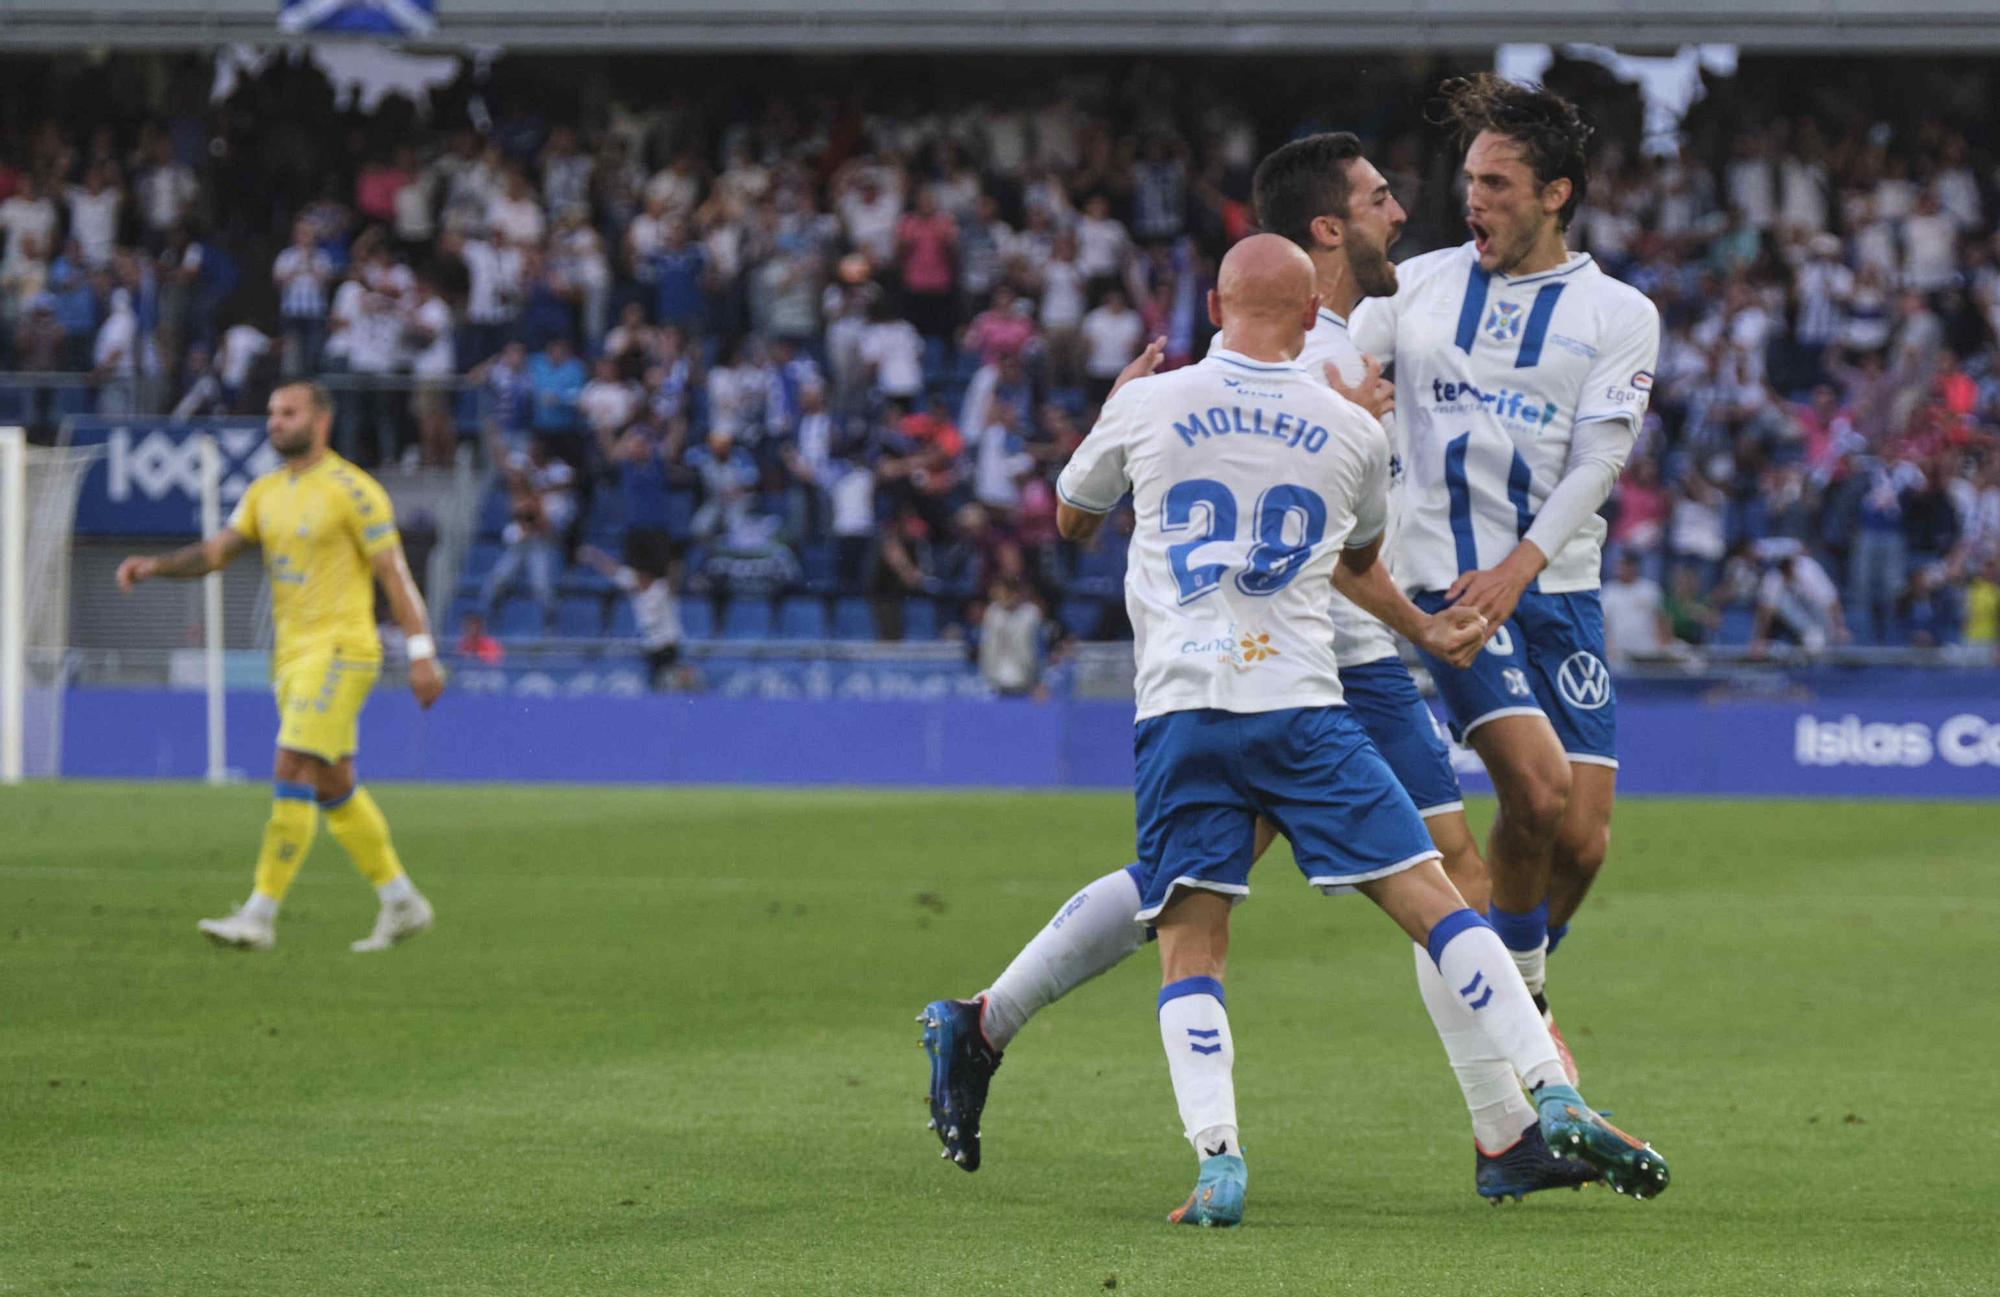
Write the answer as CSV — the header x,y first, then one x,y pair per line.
x,y
1503,322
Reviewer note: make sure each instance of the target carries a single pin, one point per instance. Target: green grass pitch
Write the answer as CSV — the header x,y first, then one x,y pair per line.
x,y
661,1042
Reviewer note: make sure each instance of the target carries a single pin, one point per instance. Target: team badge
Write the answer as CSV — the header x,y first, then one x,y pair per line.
x,y
1503,322
1643,380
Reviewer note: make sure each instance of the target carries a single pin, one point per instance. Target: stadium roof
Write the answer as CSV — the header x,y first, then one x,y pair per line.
x,y
1051,26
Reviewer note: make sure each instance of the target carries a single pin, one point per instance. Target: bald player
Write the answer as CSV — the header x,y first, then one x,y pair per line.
x,y
1251,482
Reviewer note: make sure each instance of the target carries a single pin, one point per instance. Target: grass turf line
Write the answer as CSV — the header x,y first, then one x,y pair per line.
x,y
661,1043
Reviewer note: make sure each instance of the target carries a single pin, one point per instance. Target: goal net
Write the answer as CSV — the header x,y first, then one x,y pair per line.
x,y
38,492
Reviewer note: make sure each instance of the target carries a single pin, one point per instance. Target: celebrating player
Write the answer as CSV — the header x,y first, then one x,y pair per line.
x,y
1250,482
1523,372
1321,193
328,534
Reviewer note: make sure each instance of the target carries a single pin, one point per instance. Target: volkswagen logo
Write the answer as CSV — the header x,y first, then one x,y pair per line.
x,y
1584,681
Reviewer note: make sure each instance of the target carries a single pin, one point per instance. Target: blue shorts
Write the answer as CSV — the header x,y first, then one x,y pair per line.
x,y
1400,725
1205,776
1545,660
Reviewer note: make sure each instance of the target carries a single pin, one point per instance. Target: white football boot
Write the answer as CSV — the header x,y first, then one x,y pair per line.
x,y
397,922
241,930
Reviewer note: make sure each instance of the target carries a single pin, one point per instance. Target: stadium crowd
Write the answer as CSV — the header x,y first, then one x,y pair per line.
x,y
790,347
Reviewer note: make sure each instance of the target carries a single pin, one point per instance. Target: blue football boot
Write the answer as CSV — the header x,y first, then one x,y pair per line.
x,y
1217,1200
962,1065
1572,1130
1526,1166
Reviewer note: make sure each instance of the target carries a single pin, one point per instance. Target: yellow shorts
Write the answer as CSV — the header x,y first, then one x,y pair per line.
x,y
320,697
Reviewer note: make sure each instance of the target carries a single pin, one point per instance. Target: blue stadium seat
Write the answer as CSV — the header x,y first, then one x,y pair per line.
x,y
1079,616
493,514
1737,623
519,617
747,618
852,619
479,560
580,616
816,561
802,618
697,620
920,618
680,513
580,579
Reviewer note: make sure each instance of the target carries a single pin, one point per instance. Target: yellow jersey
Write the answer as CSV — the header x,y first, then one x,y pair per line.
x,y
321,530
1982,612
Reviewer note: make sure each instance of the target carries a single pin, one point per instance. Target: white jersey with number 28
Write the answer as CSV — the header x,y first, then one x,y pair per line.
x,y
1247,480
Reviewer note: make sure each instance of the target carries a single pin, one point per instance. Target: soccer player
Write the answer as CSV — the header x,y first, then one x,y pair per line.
x,y
1523,373
328,535
1321,193
1252,484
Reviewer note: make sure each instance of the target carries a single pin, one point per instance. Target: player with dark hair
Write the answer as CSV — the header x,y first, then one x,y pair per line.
x,y
1323,195
328,534
1524,372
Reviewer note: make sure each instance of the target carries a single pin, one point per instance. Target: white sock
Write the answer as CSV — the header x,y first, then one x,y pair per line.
x,y
1533,966
261,908
397,890
1477,971
1492,1094
1091,932
1194,1027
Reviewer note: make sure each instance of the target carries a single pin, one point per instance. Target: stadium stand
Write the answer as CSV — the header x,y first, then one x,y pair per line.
x,y
815,354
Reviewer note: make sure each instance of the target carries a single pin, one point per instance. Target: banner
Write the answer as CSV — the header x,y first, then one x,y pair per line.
x,y
148,481
398,18
1937,748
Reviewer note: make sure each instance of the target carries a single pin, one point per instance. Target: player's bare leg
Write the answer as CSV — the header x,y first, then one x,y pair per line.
x,y
1582,840
1194,1028
1481,973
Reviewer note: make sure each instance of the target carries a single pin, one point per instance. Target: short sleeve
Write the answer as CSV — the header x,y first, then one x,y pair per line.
x,y
1371,497
1094,480
1372,327
1620,381
243,519
371,518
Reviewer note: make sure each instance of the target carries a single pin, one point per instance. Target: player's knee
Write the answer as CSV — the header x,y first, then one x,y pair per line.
x,y
1582,852
1534,801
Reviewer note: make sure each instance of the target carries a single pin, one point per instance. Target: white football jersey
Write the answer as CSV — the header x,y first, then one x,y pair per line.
x,y
1492,373
1357,636
1247,480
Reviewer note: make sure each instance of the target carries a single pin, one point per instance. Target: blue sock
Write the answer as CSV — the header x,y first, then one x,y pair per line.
x,y
1521,931
1556,935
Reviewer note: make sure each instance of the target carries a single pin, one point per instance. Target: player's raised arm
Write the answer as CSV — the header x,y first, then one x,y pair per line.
x,y
406,605
199,559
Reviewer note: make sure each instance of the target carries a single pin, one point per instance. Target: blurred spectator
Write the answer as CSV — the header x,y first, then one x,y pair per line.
x,y
1636,625
1797,603
540,504
474,642
1010,641
1112,335
653,608
301,274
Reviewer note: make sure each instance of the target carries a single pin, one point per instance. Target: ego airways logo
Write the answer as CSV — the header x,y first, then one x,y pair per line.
x,y
1965,740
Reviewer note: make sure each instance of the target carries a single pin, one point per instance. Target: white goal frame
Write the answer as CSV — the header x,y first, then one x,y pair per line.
x,y
14,607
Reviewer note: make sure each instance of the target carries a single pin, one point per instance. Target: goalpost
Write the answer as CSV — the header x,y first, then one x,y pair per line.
x,y
39,490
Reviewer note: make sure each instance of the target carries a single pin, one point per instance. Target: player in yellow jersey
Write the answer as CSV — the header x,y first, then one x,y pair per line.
x,y
328,534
